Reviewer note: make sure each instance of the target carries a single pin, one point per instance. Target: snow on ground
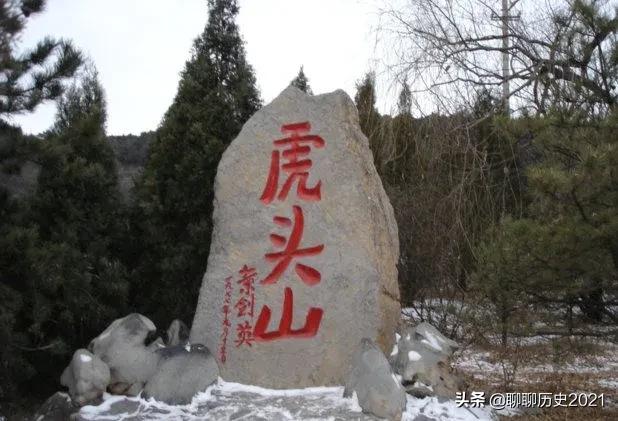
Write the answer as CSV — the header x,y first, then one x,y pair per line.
x,y
481,362
592,372
227,401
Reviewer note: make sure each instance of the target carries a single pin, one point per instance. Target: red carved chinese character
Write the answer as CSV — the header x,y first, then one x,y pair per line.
x,y
226,322
297,145
246,281
244,334
244,307
310,329
245,304
309,275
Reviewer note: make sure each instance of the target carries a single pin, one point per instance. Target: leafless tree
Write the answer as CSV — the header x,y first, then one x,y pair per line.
x,y
561,53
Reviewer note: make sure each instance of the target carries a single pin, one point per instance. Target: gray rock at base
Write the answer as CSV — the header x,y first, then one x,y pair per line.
x,y
134,389
356,290
128,389
126,346
377,389
433,339
181,375
423,361
419,390
87,377
58,407
156,345
177,333
441,379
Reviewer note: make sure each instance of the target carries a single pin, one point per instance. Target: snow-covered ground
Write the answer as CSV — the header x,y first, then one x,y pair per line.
x,y
233,401
484,364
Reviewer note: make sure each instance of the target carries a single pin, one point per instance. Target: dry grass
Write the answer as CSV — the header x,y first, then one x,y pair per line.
x,y
564,365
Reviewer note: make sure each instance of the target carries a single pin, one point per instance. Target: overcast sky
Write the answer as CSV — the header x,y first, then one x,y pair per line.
x,y
140,47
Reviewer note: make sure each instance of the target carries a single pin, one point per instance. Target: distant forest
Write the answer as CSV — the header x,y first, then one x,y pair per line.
x,y
130,152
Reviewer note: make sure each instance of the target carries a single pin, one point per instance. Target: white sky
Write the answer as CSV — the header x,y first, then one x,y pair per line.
x,y
140,47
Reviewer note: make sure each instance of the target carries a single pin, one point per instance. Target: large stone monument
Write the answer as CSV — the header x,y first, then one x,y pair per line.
x,y
304,250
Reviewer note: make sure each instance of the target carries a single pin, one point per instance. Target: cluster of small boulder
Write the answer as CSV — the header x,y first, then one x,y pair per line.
x,y
419,365
128,358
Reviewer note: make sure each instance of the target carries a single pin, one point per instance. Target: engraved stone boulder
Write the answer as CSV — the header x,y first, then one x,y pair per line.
x,y
304,248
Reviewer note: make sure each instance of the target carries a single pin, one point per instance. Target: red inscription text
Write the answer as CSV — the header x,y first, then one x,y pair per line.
x,y
310,329
292,250
226,321
295,149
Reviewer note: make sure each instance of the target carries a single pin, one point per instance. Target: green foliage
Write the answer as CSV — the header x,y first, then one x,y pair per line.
x,y
564,252
302,82
368,115
58,260
15,148
36,75
132,149
172,222
581,73
404,103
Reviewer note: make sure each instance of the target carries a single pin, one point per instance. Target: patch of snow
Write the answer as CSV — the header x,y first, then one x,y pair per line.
x,y
414,356
85,358
432,341
612,384
227,400
432,408
395,379
106,405
188,347
231,387
397,337
395,350
421,384
354,405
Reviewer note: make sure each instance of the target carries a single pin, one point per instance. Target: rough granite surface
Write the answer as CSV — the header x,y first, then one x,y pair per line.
x,y
354,221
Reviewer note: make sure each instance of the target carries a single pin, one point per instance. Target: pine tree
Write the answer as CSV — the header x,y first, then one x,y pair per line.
x,y
369,118
216,95
404,104
564,252
404,141
61,255
28,79
78,284
302,82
